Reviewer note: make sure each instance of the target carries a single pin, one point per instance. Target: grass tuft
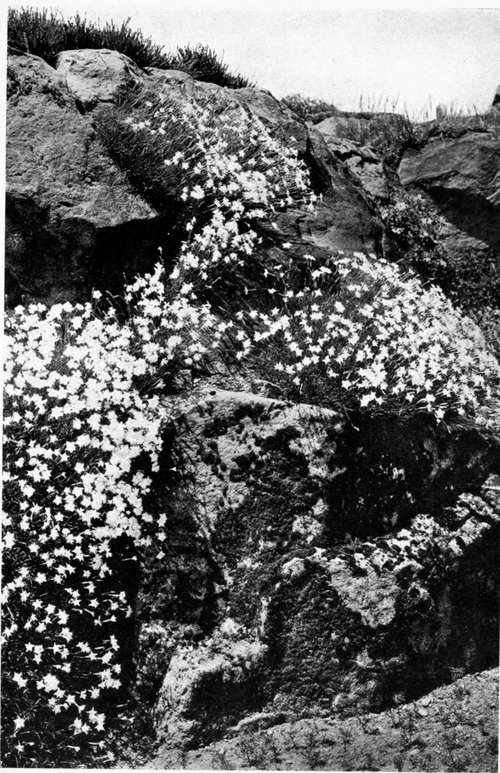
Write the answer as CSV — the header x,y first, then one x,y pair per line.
x,y
312,110
45,33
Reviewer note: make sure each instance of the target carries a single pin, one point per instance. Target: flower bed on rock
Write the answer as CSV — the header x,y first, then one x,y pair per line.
x,y
88,402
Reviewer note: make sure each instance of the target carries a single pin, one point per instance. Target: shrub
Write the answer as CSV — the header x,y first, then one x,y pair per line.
x,y
83,421
204,64
380,343
46,33
416,233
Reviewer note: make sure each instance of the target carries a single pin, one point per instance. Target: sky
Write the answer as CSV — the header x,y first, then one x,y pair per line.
x,y
416,59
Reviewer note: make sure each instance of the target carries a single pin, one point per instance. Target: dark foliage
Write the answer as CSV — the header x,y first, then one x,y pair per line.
x,y
46,33
313,110
203,64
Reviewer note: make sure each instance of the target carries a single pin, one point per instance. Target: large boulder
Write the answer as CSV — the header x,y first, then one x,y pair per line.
x,y
363,626
462,178
363,162
94,76
454,727
254,474
313,609
465,169
72,218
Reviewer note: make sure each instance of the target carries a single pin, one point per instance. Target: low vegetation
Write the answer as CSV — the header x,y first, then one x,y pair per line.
x,y
85,415
83,424
312,110
46,33
216,176
380,342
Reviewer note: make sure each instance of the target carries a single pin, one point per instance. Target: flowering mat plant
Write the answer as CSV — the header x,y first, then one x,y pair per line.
x,y
85,406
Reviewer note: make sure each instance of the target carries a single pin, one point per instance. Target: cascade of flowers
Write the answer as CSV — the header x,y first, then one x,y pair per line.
x,y
84,414
82,411
379,342
230,174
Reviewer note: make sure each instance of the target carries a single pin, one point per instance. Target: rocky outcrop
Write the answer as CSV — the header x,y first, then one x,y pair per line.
x,y
318,607
256,470
363,162
451,728
436,188
461,176
465,170
316,565
75,221
72,218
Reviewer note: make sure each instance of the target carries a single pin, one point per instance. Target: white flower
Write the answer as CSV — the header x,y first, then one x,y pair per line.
x,y
197,192
19,680
50,683
19,722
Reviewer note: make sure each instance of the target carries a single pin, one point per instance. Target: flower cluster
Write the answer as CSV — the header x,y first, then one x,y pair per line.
x,y
84,413
380,341
229,172
83,420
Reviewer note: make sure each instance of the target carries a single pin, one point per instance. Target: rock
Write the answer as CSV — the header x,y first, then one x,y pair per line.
x,y
362,161
97,75
453,728
462,177
358,126
208,687
399,634
468,166
373,596
283,123
228,437
349,214
390,470
496,99
72,218
344,220
74,221
346,618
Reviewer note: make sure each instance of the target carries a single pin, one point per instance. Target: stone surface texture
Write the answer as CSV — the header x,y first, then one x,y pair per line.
x,y
72,217
93,76
452,728
315,611
461,177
